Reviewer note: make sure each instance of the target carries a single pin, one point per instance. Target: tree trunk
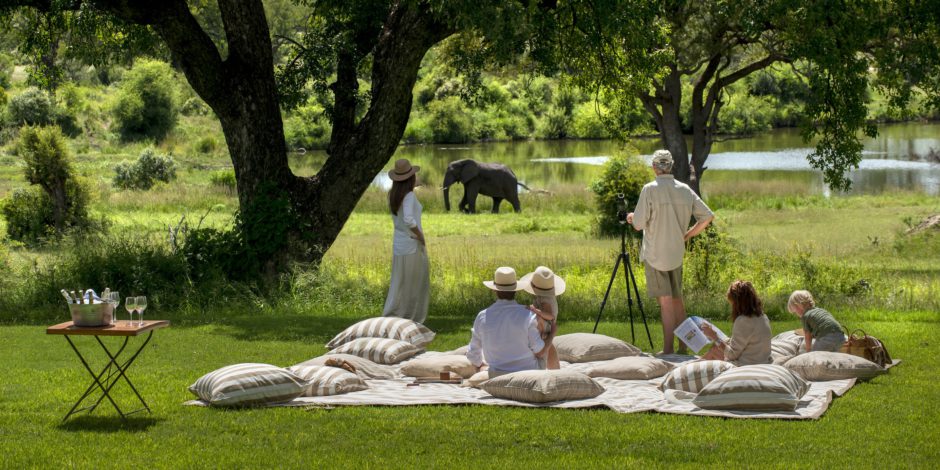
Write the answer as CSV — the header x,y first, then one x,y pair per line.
x,y
671,126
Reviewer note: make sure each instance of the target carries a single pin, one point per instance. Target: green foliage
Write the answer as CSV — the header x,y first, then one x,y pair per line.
x,y
206,145
6,70
449,122
32,107
588,121
146,171
146,105
28,215
307,127
224,179
195,107
626,174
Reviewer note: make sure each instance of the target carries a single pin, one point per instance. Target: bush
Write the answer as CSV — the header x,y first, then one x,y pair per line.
x,y
146,105
623,174
32,107
450,123
224,179
28,212
587,124
307,128
145,172
195,107
206,144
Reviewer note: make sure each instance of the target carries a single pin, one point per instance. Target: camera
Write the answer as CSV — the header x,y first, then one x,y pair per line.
x,y
621,209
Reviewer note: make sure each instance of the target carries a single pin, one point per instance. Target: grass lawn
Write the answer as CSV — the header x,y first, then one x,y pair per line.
x,y
889,421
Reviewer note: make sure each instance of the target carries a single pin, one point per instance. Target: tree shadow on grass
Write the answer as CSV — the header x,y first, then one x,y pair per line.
x,y
109,424
316,329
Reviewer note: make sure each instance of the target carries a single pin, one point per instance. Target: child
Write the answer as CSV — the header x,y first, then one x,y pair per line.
x,y
818,324
545,286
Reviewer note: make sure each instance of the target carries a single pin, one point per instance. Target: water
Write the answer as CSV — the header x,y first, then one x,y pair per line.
x,y
904,157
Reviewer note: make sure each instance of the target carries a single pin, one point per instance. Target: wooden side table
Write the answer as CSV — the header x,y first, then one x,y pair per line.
x,y
114,369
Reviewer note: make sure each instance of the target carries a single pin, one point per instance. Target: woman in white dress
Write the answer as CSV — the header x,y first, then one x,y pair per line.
x,y
409,290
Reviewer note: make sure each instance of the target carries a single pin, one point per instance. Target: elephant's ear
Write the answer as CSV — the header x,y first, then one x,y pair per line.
x,y
469,171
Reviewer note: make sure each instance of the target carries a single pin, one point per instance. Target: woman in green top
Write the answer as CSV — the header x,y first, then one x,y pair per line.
x,y
818,324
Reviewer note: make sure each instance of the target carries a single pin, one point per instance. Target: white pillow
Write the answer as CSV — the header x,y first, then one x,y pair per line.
x,y
542,386
694,376
763,387
632,368
365,368
248,384
380,350
587,347
401,329
322,381
785,346
820,366
432,366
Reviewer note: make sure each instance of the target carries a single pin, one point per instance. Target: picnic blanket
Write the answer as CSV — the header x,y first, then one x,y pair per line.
x,y
622,396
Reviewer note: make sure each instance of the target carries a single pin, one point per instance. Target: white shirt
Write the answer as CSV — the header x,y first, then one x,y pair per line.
x,y
507,334
408,217
663,212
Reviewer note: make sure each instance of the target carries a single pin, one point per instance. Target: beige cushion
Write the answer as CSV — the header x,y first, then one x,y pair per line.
x,y
248,384
380,350
823,365
632,368
365,368
542,386
785,346
462,351
763,387
401,329
694,376
322,381
432,366
587,347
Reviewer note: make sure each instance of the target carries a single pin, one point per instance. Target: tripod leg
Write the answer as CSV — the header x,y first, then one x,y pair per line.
x,y
639,302
626,283
607,294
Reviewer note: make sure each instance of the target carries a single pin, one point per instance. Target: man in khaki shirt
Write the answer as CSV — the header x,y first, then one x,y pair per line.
x,y
663,213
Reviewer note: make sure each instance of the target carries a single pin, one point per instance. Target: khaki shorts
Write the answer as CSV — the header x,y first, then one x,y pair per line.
x,y
663,283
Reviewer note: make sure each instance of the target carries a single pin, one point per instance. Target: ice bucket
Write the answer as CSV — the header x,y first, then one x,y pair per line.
x,y
91,314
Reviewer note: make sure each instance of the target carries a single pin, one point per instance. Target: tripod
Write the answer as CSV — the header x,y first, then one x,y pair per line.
x,y
629,279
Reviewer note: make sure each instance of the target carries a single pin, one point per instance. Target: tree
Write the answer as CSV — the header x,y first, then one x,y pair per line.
x,y
236,78
706,46
49,165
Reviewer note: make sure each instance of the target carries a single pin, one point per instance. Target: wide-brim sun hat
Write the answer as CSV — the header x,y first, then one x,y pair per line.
x,y
542,281
504,279
403,170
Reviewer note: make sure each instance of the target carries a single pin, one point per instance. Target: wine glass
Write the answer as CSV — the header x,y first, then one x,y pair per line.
x,y
114,298
130,303
141,306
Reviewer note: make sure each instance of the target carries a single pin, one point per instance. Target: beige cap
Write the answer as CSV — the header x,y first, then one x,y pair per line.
x,y
662,159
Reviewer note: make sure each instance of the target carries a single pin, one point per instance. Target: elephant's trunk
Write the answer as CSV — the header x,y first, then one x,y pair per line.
x,y
446,198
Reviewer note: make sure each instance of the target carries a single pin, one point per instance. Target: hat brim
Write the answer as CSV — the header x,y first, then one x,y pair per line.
x,y
526,283
396,177
493,286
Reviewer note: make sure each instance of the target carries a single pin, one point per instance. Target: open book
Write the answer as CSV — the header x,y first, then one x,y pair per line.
x,y
690,333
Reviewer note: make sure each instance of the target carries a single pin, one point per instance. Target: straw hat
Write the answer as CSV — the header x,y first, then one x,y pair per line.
x,y
504,279
542,281
403,170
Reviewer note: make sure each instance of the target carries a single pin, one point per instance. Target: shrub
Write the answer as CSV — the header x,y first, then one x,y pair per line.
x,y
194,107
32,107
623,174
449,121
307,128
146,102
206,144
145,172
587,124
224,179
28,212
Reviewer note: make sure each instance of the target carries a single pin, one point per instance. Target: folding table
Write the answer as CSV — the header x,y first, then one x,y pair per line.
x,y
114,370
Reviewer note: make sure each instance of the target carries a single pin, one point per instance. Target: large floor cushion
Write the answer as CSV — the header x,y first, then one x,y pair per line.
x,y
632,368
248,384
587,347
785,346
380,350
821,366
764,387
543,386
365,368
432,366
322,381
694,376
401,329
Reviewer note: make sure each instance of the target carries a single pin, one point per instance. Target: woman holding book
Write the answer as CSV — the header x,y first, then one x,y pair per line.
x,y
750,335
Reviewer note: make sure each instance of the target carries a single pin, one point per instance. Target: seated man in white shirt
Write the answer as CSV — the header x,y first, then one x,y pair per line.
x,y
506,334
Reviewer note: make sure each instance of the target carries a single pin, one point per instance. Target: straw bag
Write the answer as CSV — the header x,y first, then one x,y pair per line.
x,y
861,345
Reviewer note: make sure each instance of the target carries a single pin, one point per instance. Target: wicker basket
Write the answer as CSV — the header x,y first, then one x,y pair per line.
x,y
92,314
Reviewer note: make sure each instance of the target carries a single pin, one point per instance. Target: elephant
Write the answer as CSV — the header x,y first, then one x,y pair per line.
x,y
489,179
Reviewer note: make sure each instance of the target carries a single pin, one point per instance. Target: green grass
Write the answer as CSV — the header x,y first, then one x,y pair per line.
x,y
889,421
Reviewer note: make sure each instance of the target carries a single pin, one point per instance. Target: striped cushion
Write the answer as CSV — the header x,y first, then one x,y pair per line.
x,y
401,329
381,350
324,381
632,368
365,368
587,347
542,386
432,366
248,384
763,387
821,366
786,345
694,376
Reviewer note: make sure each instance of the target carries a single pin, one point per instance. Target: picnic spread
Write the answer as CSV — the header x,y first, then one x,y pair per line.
x,y
383,362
